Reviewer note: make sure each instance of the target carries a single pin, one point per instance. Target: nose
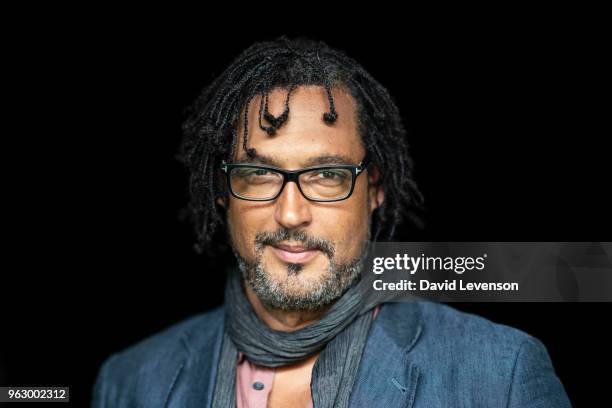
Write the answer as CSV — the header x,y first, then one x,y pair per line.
x,y
292,208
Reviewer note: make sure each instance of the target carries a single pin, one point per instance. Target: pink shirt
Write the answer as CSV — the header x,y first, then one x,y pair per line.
x,y
254,383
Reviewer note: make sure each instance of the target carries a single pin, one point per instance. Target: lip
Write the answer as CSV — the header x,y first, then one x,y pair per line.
x,y
293,254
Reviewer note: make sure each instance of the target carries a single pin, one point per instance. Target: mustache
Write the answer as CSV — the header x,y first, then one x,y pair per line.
x,y
284,234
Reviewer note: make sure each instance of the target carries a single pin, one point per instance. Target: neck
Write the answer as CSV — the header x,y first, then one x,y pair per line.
x,y
283,320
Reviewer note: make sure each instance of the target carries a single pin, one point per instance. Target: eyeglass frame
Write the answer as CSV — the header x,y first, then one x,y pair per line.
x,y
293,176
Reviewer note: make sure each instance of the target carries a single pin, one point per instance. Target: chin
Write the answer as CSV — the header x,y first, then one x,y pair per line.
x,y
307,271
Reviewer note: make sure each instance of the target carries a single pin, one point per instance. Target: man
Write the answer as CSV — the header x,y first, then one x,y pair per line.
x,y
301,157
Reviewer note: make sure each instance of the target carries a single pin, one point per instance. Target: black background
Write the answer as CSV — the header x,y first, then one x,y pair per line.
x,y
506,123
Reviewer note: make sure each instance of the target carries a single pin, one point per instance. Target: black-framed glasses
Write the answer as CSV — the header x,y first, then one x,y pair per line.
x,y
327,183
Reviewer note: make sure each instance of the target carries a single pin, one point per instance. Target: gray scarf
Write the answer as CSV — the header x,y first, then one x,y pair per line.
x,y
341,333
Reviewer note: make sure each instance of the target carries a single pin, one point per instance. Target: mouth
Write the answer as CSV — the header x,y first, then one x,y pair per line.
x,y
293,253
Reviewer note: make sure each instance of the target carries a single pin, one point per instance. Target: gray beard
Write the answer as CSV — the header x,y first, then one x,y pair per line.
x,y
292,293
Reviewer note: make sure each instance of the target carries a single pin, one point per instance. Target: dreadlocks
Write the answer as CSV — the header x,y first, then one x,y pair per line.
x,y
211,134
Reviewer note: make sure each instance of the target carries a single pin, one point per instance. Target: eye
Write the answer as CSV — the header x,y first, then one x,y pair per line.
x,y
329,174
247,172
328,177
254,175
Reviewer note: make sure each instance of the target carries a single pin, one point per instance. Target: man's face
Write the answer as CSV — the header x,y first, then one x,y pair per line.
x,y
298,254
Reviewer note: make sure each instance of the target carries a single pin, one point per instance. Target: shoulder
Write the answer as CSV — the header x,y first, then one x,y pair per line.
x,y
153,362
468,336
446,325
467,352
440,319
146,354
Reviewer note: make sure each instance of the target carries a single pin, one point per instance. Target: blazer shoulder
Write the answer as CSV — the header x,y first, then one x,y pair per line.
x,y
154,353
461,336
143,374
458,326
479,360
501,360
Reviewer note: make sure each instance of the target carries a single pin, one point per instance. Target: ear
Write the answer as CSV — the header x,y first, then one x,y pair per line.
x,y
376,189
224,197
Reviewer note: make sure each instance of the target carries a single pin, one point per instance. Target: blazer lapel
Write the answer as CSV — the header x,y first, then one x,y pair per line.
x,y
387,377
194,381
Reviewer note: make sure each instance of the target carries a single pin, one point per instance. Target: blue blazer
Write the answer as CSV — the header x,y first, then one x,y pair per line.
x,y
417,355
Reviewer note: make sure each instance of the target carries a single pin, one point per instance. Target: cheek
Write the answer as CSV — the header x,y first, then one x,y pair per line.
x,y
242,230
349,227
247,219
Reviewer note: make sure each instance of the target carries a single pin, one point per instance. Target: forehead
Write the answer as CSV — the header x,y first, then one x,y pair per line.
x,y
305,138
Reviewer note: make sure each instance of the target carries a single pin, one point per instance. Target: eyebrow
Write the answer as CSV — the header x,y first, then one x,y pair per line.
x,y
313,161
